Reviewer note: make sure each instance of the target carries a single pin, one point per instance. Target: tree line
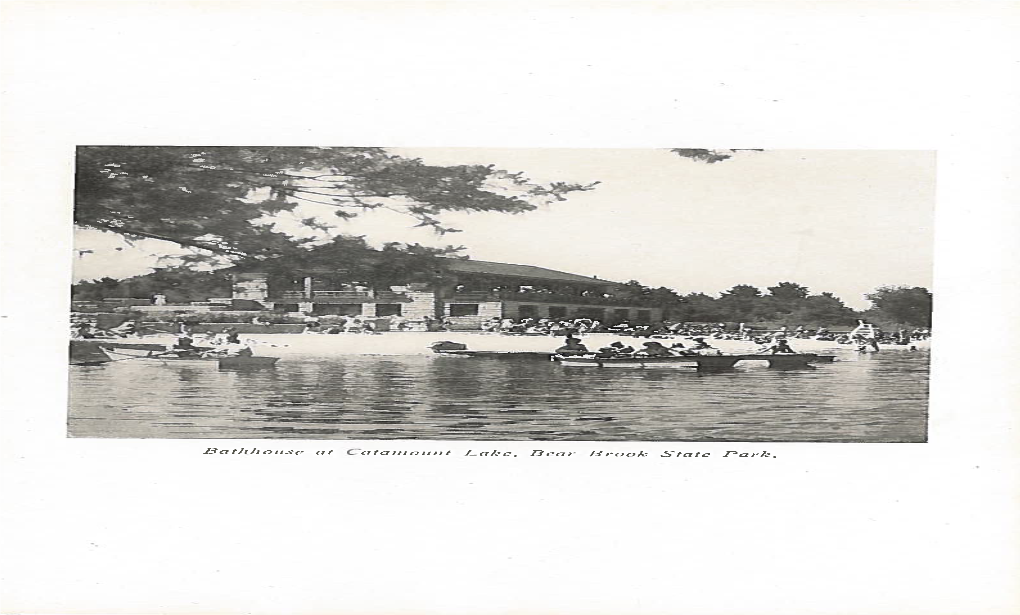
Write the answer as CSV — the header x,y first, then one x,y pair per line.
x,y
788,303
785,303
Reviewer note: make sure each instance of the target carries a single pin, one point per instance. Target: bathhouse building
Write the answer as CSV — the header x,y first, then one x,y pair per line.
x,y
466,293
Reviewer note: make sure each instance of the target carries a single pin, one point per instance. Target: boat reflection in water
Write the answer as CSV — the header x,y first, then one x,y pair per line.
x,y
870,398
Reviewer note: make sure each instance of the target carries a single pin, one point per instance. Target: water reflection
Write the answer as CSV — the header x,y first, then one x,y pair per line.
x,y
874,398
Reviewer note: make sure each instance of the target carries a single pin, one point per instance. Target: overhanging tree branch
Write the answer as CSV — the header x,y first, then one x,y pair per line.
x,y
188,243
179,194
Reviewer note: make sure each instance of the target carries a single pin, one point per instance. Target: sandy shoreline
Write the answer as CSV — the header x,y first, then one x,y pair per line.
x,y
417,343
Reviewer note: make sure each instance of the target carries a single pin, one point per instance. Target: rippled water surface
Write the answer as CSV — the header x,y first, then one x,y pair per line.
x,y
868,398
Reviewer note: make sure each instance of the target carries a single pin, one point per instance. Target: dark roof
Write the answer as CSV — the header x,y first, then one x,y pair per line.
x,y
522,271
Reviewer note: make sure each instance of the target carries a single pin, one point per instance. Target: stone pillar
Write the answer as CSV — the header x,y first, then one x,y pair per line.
x,y
250,286
422,304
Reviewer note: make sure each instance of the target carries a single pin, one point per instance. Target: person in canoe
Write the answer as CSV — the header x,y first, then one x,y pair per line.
x,y
184,346
572,346
700,347
781,346
240,351
654,349
226,350
230,350
616,349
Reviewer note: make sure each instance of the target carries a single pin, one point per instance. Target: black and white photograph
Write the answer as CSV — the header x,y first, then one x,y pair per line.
x,y
501,294
421,307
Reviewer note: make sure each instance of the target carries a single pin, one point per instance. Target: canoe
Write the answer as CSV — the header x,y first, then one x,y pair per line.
x,y
168,357
95,351
116,344
246,362
701,362
495,354
630,362
88,357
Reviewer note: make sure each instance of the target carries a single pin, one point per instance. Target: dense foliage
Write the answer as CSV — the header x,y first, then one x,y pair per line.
x,y
180,286
785,303
903,305
710,156
349,260
221,200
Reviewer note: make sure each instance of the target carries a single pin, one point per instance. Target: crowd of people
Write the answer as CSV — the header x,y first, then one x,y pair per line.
x,y
866,337
740,331
344,324
83,328
226,343
361,324
572,346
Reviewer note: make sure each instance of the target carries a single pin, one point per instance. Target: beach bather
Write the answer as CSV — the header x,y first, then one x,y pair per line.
x,y
231,336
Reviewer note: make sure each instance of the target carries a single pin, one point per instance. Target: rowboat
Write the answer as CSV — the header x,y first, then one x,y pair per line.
x,y
495,354
94,351
246,362
701,362
230,362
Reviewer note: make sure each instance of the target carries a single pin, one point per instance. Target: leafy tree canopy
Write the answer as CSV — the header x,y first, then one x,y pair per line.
x,y
902,305
180,285
742,302
823,309
741,291
698,307
222,199
710,156
788,292
351,260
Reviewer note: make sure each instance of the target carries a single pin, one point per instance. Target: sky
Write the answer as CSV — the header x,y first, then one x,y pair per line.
x,y
842,221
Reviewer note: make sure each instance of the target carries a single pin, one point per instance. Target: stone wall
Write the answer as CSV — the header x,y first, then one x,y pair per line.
x,y
246,327
486,311
605,313
367,310
162,310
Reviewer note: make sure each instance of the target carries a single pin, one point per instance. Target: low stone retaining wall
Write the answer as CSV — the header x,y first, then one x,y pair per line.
x,y
216,327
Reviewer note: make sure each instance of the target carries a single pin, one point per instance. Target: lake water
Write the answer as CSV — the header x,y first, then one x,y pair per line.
x,y
860,398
